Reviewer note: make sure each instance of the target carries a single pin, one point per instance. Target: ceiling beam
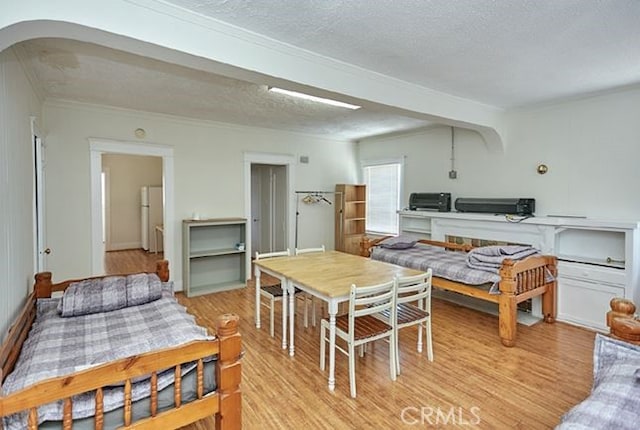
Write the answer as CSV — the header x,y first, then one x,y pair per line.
x,y
168,33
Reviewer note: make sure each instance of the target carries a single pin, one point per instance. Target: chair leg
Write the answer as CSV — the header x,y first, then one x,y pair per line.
x,y
393,368
323,342
271,317
420,337
397,352
352,370
313,311
429,340
306,310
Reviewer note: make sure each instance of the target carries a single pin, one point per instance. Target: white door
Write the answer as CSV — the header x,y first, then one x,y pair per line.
x,y
38,180
279,199
256,210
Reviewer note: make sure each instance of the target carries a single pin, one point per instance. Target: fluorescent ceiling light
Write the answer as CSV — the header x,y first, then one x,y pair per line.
x,y
313,98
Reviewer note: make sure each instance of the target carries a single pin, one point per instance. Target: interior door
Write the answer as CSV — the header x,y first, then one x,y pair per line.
x,y
256,209
279,198
41,249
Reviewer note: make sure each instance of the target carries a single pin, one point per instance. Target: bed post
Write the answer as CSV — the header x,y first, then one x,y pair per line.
x,y
622,322
162,270
549,309
365,246
228,373
42,287
508,304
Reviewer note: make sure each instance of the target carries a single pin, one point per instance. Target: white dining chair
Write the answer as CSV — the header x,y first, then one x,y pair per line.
x,y
361,326
413,307
310,300
273,293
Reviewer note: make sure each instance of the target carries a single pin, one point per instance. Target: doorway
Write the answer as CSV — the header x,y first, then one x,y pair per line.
x,y
132,212
268,208
279,163
100,147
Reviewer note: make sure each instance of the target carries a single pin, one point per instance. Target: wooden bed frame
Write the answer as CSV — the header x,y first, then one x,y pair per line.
x,y
521,280
224,403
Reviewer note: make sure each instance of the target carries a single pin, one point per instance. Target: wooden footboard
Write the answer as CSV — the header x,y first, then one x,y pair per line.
x,y
224,403
520,280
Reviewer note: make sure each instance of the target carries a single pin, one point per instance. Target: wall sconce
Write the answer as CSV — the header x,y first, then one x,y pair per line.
x,y
542,169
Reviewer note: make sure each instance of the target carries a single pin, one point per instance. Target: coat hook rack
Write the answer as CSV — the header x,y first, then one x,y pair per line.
x,y
312,197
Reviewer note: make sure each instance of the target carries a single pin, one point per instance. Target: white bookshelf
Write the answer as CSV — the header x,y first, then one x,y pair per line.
x,y
212,259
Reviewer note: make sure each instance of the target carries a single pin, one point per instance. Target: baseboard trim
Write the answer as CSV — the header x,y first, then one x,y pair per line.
x,y
124,246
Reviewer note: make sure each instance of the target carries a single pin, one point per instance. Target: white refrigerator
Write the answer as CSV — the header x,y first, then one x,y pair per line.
x,y
152,218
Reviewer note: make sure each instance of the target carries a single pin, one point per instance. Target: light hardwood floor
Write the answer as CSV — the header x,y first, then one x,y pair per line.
x,y
473,382
130,261
473,378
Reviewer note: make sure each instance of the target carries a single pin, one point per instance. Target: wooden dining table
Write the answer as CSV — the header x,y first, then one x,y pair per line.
x,y
328,276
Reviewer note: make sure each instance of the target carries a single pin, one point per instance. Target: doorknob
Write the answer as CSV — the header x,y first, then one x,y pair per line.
x,y
47,251
256,219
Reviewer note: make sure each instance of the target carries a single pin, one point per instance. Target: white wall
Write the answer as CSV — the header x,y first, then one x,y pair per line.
x,y
127,175
208,163
17,104
592,148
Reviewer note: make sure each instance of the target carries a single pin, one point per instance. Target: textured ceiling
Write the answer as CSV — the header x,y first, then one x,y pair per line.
x,y
504,53
509,53
84,72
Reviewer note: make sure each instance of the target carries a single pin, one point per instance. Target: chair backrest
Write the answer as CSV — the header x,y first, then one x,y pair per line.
x,y
264,255
308,250
372,300
415,288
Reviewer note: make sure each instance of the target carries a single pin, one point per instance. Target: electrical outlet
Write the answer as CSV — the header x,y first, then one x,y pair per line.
x,y
453,174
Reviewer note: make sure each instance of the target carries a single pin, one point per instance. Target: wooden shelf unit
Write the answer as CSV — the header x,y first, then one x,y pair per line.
x,y
212,261
351,212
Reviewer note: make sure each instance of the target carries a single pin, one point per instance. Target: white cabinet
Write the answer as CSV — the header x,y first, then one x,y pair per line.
x,y
214,256
597,259
584,293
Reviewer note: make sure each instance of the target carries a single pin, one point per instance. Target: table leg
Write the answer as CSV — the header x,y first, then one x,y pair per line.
x,y
333,310
283,284
257,276
292,317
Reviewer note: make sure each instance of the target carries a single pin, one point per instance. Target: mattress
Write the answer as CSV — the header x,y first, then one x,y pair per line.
x,y
58,346
451,265
141,408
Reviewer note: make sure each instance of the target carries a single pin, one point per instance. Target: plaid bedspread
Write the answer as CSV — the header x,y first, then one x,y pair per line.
x,y
444,264
57,346
614,402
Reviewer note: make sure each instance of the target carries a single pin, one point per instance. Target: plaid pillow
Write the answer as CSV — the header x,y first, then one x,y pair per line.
x,y
143,288
90,296
398,242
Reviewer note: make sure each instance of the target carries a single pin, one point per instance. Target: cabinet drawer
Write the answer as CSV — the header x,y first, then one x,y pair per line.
x,y
585,303
592,273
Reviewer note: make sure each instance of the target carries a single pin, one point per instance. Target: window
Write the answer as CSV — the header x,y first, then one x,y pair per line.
x,y
383,181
